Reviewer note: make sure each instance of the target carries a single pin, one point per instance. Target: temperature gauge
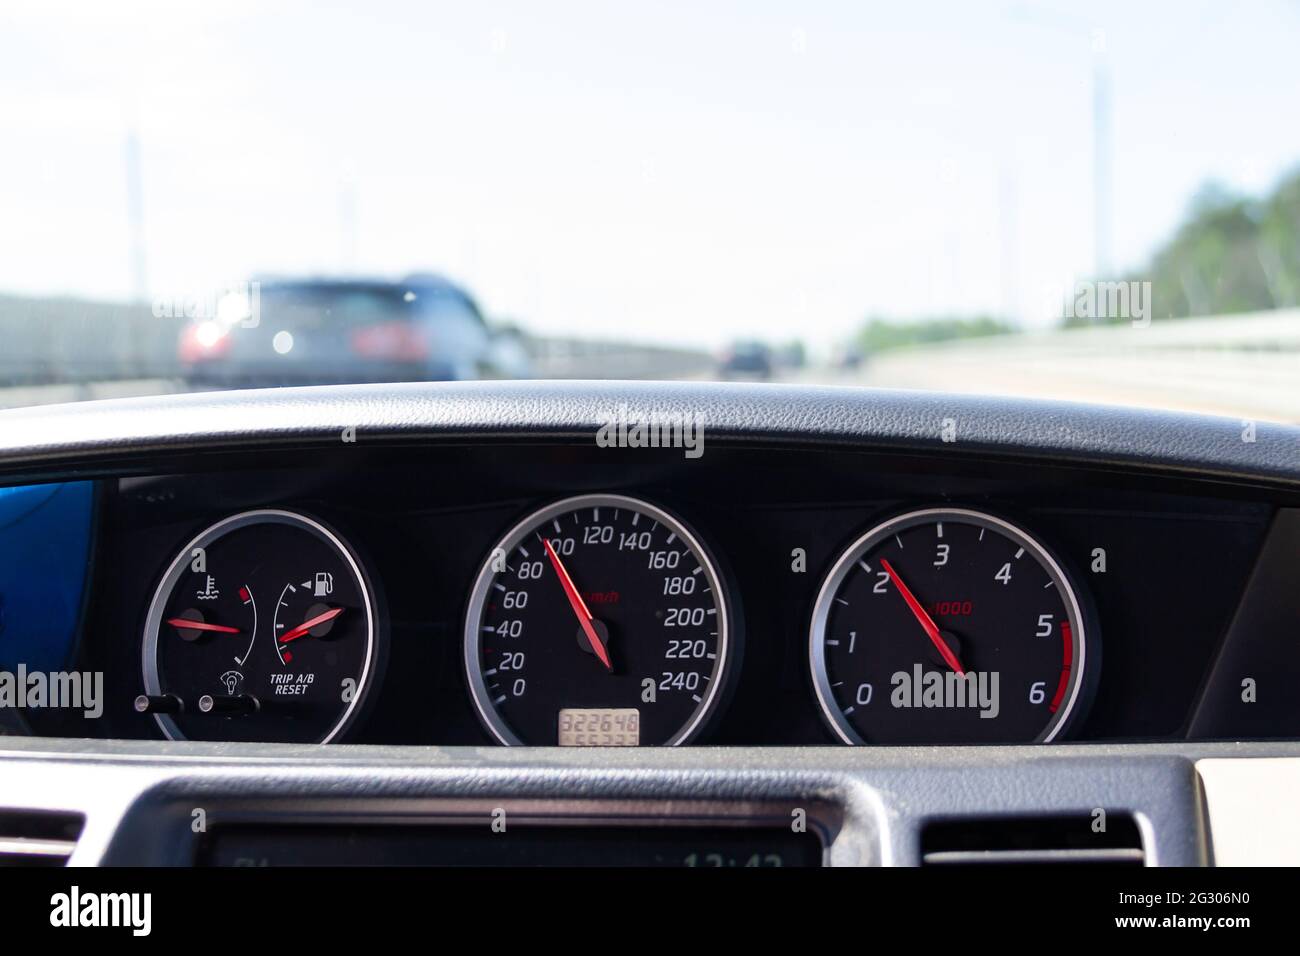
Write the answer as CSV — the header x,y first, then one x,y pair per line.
x,y
263,628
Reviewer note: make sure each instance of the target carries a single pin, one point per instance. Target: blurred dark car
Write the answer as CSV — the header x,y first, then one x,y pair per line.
x,y
746,360
850,358
330,331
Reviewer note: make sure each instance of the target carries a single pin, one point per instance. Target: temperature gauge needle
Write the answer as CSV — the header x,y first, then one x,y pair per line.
x,y
189,625
301,630
924,619
579,606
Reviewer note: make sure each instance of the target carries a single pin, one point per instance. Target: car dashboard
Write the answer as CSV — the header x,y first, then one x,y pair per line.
x,y
928,624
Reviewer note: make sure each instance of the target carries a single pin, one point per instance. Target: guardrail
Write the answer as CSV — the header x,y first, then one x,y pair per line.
x,y
1277,331
1238,365
62,341
587,358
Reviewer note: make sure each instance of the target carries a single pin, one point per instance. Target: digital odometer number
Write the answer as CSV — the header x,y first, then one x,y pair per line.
x,y
600,727
597,621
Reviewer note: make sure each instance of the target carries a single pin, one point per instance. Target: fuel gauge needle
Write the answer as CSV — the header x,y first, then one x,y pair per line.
x,y
579,606
301,630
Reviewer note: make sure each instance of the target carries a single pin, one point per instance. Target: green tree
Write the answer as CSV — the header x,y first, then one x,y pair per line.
x,y
1231,254
879,335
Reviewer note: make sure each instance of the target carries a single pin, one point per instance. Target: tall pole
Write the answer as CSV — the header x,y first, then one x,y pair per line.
x,y
135,216
347,225
1101,133
1101,158
1008,248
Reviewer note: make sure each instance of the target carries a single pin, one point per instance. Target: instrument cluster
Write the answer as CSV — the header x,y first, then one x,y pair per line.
x,y
782,598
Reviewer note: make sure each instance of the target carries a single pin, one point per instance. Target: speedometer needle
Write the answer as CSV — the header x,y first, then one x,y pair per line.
x,y
301,630
924,619
578,604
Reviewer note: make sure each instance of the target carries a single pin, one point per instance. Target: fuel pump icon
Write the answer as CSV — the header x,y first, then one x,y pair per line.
x,y
324,584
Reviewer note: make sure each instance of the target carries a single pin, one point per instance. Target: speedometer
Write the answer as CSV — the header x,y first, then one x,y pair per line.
x,y
949,625
599,620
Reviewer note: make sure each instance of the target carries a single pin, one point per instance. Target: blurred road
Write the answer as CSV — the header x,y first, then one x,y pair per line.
x,y
1245,367
24,395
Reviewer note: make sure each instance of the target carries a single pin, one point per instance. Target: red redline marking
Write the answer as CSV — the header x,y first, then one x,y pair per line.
x,y
1066,662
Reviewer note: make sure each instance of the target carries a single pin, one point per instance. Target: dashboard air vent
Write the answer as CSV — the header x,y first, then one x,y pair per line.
x,y
38,838
1033,840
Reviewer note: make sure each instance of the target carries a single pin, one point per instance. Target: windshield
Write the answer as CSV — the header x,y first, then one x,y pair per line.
x,y
1095,201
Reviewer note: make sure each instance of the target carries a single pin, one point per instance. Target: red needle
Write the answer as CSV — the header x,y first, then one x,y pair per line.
x,y
200,625
924,619
305,626
579,606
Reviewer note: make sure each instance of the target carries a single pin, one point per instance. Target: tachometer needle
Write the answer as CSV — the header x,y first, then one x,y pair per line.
x,y
578,604
201,625
924,619
301,630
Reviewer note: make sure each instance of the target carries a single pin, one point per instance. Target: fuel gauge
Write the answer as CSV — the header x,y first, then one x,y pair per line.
x,y
263,628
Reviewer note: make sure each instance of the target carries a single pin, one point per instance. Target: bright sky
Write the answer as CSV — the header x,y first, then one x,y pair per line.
x,y
666,171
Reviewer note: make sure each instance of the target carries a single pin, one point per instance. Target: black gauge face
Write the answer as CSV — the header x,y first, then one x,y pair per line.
x,y
597,621
947,626
262,629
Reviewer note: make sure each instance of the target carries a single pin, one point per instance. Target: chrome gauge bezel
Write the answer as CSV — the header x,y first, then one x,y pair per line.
x,y
830,587
487,712
214,533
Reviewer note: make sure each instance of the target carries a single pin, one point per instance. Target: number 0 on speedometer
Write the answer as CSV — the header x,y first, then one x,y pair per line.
x,y
597,621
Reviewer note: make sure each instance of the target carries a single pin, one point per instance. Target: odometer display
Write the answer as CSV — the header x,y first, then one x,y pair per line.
x,y
600,727
948,626
597,621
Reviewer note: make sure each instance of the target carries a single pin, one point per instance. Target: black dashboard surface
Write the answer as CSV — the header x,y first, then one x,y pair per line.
x,y
40,440
1177,555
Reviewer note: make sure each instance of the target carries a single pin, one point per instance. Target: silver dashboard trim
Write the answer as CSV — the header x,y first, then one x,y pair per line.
x,y
138,797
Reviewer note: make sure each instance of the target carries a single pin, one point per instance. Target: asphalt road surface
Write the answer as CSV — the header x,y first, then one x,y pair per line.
x,y
1244,367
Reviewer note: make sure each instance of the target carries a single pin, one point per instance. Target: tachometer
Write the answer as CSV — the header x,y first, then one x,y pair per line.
x,y
948,626
263,628
599,620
